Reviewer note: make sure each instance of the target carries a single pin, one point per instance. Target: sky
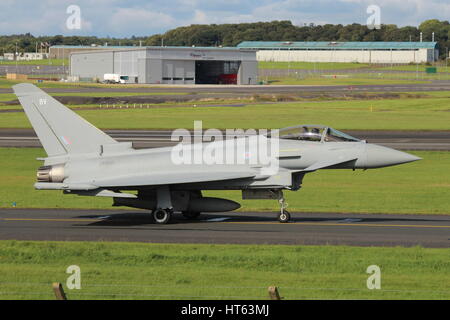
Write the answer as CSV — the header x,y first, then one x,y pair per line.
x,y
124,18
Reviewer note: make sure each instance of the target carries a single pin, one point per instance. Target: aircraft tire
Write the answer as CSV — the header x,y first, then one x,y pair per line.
x,y
162,216
284,216
190,215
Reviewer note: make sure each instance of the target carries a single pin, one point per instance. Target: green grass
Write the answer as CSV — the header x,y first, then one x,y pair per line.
x,y
352,80
398,76
392,114
116,94
419,187
7,97
409,67
52,62
311,65
4,83
344,66
184,271
11,96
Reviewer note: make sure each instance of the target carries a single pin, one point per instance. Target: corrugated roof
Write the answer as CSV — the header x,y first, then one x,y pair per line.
x,y
92,47
147,47
334,45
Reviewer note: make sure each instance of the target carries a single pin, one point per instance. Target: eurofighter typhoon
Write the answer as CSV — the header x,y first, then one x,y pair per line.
x,y
83,160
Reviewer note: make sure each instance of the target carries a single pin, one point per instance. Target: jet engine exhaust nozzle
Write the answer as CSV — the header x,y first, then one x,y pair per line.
x,y
54,173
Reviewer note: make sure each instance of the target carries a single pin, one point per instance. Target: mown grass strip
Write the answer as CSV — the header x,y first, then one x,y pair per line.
x,y
184,271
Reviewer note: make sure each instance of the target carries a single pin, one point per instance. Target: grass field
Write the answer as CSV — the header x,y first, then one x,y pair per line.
x,y
4,83
178,271
11,96
330,81
311,65
414,68
419,187
392,114
345,66
50,62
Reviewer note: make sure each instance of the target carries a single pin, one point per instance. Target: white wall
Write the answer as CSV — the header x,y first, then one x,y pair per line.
x,y
32,56
361,56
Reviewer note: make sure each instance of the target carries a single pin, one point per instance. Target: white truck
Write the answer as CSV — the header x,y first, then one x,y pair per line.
x,y
114,78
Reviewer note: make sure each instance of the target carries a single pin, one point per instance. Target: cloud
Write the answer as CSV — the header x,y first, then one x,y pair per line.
x,y
140,17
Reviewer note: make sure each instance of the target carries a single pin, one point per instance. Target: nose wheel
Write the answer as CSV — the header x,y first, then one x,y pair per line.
x,y
162,216
284,216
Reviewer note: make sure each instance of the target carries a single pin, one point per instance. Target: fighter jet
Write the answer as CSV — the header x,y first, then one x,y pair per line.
x,y
82,160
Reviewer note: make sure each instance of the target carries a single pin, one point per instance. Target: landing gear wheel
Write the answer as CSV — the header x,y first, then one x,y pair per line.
x,y
284,216
162,216
191,215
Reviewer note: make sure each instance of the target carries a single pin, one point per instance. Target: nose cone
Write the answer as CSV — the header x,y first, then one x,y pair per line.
x,y
378,156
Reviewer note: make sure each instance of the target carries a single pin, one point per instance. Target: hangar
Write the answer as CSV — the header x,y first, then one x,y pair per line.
x,y
331,51
170,65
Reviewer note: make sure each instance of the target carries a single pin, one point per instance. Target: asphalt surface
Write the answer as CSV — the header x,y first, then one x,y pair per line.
x,y
403,140
256,89
32,70
226,228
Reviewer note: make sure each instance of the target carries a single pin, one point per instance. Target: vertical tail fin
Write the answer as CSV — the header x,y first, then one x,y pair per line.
x,y
60,130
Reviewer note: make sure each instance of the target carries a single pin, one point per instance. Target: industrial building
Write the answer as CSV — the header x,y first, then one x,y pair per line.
x,y
171,65
64,51
362,52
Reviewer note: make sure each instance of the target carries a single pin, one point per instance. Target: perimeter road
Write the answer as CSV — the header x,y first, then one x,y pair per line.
x,y
227,228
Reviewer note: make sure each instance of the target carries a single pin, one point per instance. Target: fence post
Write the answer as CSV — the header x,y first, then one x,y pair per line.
x,y
59,291
273,293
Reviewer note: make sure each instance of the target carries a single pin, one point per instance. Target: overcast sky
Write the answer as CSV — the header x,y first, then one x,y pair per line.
x,y
120,18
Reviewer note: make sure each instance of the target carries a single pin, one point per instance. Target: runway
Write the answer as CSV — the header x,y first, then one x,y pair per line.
x,y
437,85
403,140
227,228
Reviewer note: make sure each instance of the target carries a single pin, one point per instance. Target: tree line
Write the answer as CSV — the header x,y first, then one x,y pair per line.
x,y
233,34
29,43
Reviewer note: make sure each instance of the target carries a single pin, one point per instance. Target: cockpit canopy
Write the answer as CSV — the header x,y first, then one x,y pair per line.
x,y
315,133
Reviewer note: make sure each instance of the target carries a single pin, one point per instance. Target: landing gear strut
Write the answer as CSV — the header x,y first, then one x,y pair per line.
x,y
284,215
164,208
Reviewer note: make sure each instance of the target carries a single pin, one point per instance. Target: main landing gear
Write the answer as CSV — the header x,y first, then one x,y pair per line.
x,y
164,209
162,216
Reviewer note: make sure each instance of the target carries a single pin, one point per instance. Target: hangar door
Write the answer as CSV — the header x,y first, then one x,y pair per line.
x,y
216,72
178,71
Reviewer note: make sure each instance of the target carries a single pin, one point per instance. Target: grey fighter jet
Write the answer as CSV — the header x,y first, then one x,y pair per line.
x,y
83,160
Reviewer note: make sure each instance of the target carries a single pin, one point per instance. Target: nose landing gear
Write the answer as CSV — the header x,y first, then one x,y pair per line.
x,y
284,215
